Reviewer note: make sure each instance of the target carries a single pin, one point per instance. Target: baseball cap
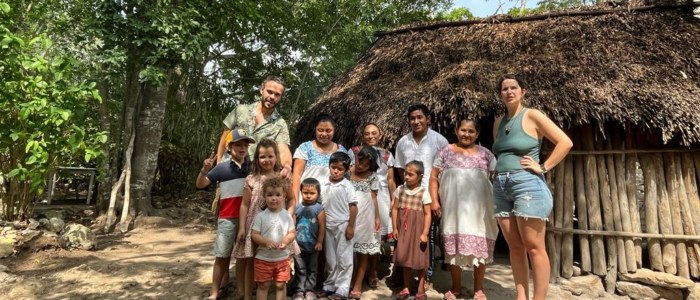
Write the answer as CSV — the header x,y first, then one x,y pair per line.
x,y
238,134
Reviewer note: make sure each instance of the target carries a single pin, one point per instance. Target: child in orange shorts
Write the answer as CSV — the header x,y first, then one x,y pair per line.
x,y
272,231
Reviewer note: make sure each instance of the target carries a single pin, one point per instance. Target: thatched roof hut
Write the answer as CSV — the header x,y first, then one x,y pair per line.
x,y
638,67
623,84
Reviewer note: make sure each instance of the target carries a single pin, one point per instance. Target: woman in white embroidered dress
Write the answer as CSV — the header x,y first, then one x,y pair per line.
x,y
460,177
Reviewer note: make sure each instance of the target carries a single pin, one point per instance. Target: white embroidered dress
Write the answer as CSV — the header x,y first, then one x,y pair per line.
x,y
469,230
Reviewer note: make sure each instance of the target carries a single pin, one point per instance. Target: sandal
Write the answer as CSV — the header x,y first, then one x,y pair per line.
x,y
450,296
355,295
421,296
373,282
403,294
223,292
479,295
336,297
324,294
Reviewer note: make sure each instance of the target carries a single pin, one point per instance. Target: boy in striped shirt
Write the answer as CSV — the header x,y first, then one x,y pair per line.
x,y
231,178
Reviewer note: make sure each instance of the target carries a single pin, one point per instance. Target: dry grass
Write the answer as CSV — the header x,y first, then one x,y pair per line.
x,y
638,67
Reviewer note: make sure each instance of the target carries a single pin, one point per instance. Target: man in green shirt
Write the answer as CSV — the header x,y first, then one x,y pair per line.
x,y
261,120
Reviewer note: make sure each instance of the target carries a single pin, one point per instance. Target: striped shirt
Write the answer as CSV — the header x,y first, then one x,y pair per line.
x,y
232,179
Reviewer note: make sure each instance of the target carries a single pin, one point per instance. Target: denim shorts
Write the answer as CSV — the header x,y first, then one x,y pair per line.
x,y
226,230
521,194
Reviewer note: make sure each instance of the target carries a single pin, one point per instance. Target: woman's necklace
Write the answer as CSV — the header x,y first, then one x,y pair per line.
x,y
509,123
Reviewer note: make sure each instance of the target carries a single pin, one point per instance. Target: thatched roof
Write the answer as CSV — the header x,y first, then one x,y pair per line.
x,y
638,67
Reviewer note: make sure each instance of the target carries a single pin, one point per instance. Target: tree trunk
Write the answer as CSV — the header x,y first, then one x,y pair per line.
x,y
110,162
149,128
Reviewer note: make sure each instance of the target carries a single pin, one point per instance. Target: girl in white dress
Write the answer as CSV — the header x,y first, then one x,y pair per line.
x,y
372,136
367,226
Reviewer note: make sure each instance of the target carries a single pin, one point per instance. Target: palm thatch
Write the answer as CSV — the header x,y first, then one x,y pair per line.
x,y
631,67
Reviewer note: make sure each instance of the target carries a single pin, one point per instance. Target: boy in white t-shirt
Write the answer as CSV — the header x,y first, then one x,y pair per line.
x,y
272,231
340,206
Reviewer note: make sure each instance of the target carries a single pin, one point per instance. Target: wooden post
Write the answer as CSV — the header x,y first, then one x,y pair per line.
x,y
616,215
567,242
618,165
693,189
609,223
595,221
631,180
665,225
693,196
630,252
582,212
558,216
651,203
673,188
635,217
550,240
686,215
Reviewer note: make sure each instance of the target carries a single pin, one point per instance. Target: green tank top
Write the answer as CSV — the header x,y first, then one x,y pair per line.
x,y
512,143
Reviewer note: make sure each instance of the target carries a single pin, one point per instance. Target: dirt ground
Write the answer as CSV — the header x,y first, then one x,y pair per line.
x,y
165,259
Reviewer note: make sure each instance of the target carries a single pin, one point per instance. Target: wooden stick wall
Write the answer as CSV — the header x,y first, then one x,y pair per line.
x,y
596,190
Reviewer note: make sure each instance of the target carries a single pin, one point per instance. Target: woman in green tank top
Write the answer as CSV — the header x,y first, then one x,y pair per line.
x,y
523,200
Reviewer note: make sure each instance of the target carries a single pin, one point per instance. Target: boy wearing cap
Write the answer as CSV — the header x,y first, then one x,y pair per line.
x,y
231,178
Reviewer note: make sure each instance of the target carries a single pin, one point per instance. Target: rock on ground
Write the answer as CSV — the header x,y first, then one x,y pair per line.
x,y
640,291
658,278
56,225
694,292
77,236
589,286
59,214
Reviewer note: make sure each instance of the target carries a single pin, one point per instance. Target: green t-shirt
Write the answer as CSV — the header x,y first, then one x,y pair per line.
x,y
274,127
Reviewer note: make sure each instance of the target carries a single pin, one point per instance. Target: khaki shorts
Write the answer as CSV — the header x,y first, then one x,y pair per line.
x,y
226,230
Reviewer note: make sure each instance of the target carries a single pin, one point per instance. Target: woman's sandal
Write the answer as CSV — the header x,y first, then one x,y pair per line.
x,y
421,296
479,296
403,294
450,296
355,295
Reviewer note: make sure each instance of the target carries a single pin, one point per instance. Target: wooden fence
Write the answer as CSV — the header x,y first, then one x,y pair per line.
x,y
619,221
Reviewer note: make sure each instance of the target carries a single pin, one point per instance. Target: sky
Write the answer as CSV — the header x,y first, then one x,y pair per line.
x,y
485,8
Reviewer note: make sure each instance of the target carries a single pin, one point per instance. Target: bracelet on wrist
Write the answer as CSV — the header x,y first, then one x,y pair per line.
x,y
203,172
544,170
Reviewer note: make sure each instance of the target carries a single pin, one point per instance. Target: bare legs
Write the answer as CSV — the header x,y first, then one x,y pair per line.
x,y
220,275
408,273
244,269
456,274
525,238
373,263
360,269
280,290
479,273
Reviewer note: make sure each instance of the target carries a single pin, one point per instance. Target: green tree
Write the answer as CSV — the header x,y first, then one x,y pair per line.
x,y
169,71
456,14
547,6
47,117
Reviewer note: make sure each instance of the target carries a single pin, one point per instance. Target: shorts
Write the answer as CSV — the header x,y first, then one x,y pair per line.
x,y
277,271
521,194
226,231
